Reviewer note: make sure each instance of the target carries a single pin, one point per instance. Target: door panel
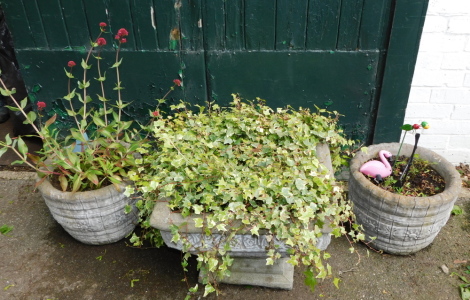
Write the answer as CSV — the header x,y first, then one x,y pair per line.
x,y
353,56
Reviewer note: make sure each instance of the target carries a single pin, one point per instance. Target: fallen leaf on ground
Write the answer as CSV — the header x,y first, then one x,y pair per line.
x,y
458,261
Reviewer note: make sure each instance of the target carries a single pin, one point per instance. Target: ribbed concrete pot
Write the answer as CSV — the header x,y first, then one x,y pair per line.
x,y
249,251
401,224
92,217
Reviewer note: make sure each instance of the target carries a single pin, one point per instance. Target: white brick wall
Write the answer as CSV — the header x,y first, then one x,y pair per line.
x,y
440,91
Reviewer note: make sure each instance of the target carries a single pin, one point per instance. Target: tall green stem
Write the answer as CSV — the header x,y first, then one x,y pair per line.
x,y
399,149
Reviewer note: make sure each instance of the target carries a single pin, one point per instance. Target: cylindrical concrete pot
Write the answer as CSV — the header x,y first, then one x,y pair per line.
x,y
401,224
93,217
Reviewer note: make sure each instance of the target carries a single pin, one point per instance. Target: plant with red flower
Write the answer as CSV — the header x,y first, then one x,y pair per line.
x,y
110,140
74,168
177,82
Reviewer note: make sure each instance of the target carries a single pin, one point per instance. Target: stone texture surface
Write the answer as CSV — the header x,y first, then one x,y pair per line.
x,y
93,217
401,224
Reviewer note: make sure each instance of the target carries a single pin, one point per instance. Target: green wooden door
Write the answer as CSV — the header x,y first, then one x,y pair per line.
x,y
352,56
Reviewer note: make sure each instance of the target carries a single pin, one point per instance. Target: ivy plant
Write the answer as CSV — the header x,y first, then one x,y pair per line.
x,y
247,168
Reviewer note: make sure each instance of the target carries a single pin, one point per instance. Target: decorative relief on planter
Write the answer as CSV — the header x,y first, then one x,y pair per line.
x,y
242,245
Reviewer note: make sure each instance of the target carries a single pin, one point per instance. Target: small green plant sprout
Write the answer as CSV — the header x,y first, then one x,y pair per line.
x,y
5,229
134,281
100,258
464,287
457,210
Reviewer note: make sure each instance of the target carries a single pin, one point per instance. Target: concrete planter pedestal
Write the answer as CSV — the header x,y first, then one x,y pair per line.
x,y
249,266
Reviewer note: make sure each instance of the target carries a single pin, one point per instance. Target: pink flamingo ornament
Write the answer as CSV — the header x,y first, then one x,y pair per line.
x,y
375,168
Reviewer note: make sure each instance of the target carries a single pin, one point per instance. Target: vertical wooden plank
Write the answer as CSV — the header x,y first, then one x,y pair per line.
x,y
145,24
53,23
260,20
234,25
167,23
191,25
15,16
350,21
76,23
291,23
35,23
119,13
374,25
214,25
96,12
405,35
323,24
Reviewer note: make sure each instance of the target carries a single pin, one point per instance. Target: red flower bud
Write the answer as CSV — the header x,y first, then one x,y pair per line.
x,y
177,82
155,113
122,32
41,105
123,41
416,126
101,41
71,64
103,24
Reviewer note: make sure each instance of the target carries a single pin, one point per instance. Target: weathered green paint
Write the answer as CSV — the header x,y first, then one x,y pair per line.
x,y
323,24
75,22
291,24
287,77
234,25
349,25
374,28
21,23
351,56
401,54
260,20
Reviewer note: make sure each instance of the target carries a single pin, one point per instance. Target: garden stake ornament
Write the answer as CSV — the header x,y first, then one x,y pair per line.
x,y
423,125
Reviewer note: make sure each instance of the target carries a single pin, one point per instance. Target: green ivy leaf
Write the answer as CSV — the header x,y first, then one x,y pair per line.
x,y
310,280
336,282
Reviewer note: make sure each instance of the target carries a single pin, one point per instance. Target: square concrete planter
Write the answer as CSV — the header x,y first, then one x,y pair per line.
x,y
249,266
